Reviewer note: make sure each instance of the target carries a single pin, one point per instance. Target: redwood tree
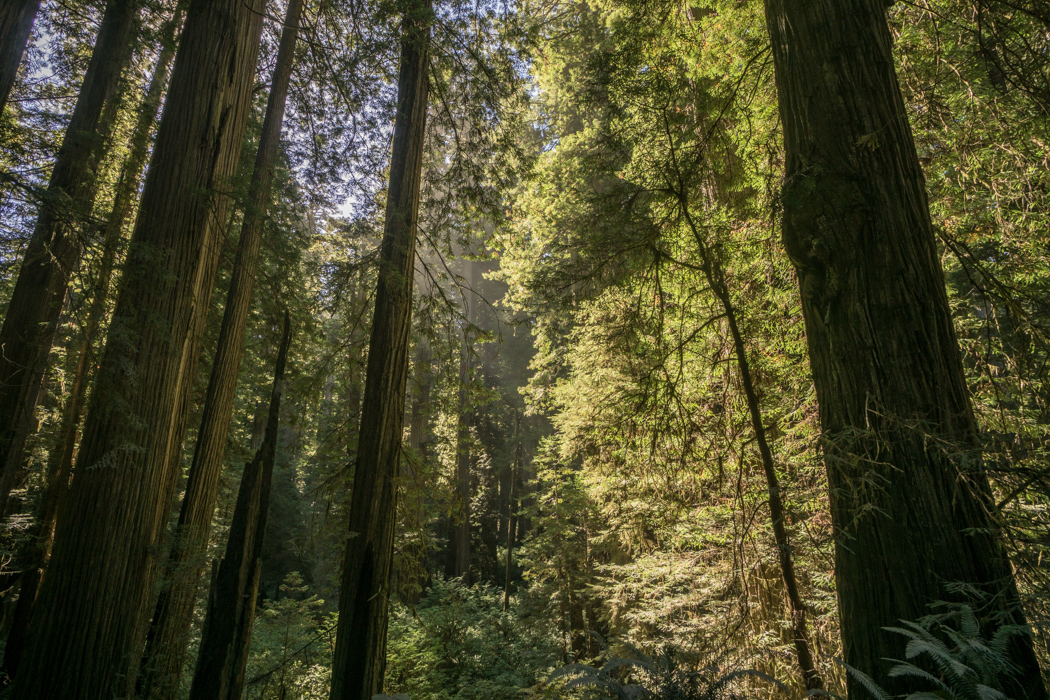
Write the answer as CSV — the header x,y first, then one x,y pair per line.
x,y
360,652
910,500
169,630
227,629
90,622
54,248
60,458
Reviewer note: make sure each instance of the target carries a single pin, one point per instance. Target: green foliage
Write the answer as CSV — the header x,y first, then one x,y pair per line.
x,y
458,643
668,676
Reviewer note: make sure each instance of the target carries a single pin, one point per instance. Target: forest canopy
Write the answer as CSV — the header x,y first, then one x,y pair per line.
x,y
448,350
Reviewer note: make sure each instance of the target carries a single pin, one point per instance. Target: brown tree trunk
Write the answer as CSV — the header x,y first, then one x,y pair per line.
x,y
16,24
90,623
60,459
54,249
910,500
461,530
360,653
461,526
227,629
512,508
169,632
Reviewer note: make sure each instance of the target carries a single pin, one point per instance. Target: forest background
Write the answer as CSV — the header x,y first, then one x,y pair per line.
x,y
599,244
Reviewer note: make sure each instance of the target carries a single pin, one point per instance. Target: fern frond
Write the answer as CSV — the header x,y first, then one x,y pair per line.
x,y
866,681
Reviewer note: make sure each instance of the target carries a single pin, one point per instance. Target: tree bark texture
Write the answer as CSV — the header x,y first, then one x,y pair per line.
x,y
170,628
54,248
227,630
360,654
60,459
16,24
90,623
909,498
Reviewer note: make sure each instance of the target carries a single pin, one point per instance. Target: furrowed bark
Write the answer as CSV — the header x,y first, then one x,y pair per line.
x,y
54,249
910,500
226,634
169,631
60,458
360,654
16,24
91,617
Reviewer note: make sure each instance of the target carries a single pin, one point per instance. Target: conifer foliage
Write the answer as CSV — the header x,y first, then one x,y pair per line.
x,y
527,348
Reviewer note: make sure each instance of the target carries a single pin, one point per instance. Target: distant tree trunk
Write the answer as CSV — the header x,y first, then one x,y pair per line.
x,y
511,524
360,652
461,529
54,248
461,522
227,629
90,623
169,632
910,500
16,24
60,459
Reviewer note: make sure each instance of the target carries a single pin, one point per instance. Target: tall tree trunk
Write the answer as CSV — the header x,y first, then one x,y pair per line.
x,y
512,516
169,631
54,249
60,459
227,629
16,24
461,528
910,500
360,653
90,622
461,522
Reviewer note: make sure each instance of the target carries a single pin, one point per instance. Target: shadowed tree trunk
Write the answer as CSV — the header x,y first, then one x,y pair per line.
x,y
227,629
90,623
360,653
54,248
170,628
16,24
60,459
909,498
512,518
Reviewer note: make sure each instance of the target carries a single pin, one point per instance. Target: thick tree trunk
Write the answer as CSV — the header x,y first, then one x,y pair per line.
x,y
910,501
16,24
360,653
60,459
54,248
169,631
227,629
90,622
